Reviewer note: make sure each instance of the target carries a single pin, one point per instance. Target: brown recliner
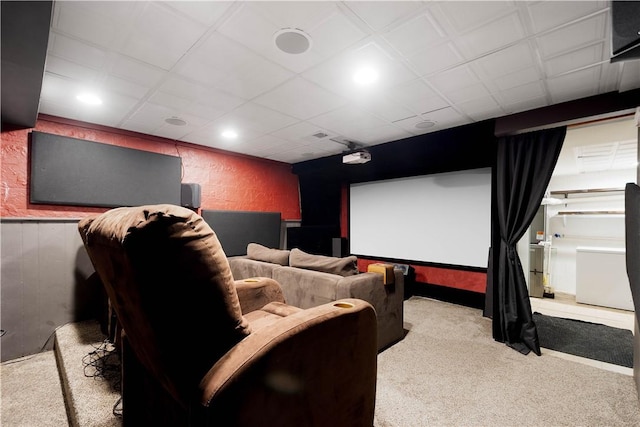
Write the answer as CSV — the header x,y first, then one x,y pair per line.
x,y
194,353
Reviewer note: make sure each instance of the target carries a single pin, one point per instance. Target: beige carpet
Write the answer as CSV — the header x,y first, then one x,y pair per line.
x,y
448,371
31,382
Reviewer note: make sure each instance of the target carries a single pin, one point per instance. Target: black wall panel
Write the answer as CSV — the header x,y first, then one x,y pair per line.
x,y
236,229
69,171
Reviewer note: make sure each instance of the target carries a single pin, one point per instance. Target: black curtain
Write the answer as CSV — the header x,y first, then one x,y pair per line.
x,y
524,165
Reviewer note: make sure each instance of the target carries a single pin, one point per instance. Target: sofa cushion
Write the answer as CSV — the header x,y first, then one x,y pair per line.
x,y
342,266
258,252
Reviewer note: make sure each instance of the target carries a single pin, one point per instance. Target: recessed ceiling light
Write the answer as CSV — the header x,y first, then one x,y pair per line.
x,y
175,121
89,98
229,134
292,41
365,76
425,124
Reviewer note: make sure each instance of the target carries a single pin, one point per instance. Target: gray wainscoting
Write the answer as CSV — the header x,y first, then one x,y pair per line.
x,y
46,281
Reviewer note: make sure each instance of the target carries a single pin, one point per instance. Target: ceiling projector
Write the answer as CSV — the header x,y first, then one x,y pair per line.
x,y
358,157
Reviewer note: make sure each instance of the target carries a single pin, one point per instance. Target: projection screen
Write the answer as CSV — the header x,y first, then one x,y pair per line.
x,y
441,218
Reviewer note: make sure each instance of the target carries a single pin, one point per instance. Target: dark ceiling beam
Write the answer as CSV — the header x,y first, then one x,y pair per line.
x,y
597,107
25,36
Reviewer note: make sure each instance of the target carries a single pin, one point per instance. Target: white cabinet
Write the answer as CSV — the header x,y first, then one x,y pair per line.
x,y
601,277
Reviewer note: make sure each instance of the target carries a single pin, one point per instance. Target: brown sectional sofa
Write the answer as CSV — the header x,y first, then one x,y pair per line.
x,y
310,287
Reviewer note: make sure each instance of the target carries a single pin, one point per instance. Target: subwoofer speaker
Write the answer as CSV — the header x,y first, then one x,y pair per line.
x,y
190,195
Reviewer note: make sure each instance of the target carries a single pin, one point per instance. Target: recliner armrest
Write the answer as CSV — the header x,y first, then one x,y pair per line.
x,y
320,364
256,292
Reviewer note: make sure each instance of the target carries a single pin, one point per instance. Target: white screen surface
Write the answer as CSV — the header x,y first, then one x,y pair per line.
x,y
441,218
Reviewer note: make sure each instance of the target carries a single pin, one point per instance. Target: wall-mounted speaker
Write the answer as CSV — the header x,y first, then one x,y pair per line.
x,y
190,195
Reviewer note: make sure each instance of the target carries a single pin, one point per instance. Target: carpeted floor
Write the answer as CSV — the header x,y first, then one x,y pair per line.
x,y
585,339
448,371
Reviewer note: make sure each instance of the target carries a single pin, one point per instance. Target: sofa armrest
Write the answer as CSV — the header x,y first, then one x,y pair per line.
x,y
244,268
387,300
319,364
256,292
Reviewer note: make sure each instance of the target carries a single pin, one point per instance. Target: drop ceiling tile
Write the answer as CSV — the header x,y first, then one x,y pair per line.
x,y
417,97
381,14
58,90
206,96
521,93
481,108
232,68
467,14
303,131
435,58
337,74
409,125
574,60
77,51
161,37
525,105
299,154
258,118
574,85
496,35
153,114
294,14
415,35
445,117
547,15
250,25
573,36
346,120
454,79
335,34
111,112
505,61
378,135
136,71
178,132
468,93
55,109
94,22
62,67
204,12
125,87
517,78
384,106
187,106
210,135
288,99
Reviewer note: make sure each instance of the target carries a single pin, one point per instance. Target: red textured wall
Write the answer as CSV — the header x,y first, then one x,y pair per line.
x,y
229,181
459,279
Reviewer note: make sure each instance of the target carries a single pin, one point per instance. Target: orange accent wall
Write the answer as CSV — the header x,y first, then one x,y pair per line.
x,y
229,181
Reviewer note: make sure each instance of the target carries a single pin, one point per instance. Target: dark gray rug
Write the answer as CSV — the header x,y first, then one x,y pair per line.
x,y
585,339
